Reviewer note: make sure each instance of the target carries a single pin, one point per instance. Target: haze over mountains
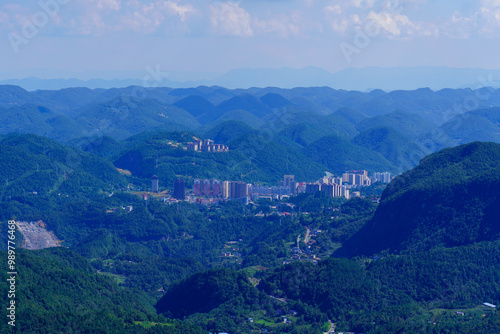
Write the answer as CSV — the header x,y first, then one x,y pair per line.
x,y
362,79
78,162
331,130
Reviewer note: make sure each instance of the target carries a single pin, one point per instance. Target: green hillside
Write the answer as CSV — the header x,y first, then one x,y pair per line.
x,y
320,287
400,150
303,134
476,125
240,116
339,154
254,156
430,105
411,263
303,115
15,96
69,100
306,127
157,155
449,199
205,291
394,294
121,118
58,292
275,100
245,102
269,157
351,115
104,146
224,132
31,163
204,111
411,125
416,293
39,120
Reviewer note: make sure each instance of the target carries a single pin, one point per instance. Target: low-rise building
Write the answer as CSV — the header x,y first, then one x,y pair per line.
x,y
207,145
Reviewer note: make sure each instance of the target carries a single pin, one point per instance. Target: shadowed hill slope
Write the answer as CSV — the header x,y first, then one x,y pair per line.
x,y
450,199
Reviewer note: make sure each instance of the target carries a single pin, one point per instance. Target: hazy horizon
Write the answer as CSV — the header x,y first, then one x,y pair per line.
x,y
354,79
63,38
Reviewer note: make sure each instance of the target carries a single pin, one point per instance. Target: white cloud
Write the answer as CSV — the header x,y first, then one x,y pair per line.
x,y
399,25
180,10
490,3
334,9
145,20
108,4
282,25
489,19
460,26
338,6
485,21
392,23
91,24
339,20
362,3
405,3
342,25
230,19
134,15
148,17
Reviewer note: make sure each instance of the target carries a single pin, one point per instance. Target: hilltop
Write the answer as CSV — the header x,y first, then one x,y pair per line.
x,y
31,163
251,156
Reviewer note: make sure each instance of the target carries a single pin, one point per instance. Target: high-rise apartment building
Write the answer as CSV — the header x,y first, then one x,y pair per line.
x,y
312,188
226,189
179,190
210,188
155,184
288,179
382,177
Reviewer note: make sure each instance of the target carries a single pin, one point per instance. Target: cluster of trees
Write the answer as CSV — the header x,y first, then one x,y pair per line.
x,y
389,295
31,163
57,291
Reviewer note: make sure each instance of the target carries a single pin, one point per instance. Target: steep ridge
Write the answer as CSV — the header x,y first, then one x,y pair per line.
x,y
450,199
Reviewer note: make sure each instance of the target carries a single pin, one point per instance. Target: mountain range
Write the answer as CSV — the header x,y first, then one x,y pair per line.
x,y
277,130
362,79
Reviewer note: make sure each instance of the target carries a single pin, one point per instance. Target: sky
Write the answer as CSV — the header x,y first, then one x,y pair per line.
x,y
107,38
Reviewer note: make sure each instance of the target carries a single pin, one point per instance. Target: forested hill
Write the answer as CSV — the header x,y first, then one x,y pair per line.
x,y
325,128
251,157
450,199
203,292
418,293
32,164
57,291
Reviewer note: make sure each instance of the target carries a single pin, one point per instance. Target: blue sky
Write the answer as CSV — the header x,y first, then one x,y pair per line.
x,y
57,38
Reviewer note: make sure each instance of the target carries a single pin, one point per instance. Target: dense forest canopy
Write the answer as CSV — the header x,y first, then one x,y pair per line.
x,y
420,254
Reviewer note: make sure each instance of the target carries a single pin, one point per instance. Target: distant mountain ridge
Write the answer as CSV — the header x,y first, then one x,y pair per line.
x,y
363,79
